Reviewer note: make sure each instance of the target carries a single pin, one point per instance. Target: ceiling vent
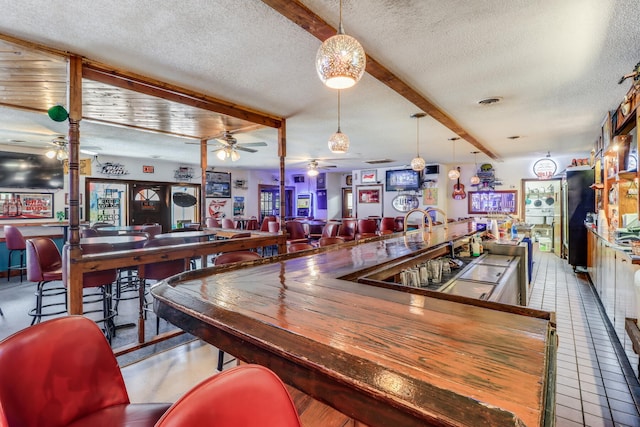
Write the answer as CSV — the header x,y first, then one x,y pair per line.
x,y
380,161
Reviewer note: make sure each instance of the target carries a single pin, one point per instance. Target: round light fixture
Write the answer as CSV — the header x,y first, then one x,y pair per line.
x,y
475,179
338,142
418,163
453,174
313,172
222,154
341,60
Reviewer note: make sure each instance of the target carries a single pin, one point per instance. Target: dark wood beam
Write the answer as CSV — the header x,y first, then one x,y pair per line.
x,y
132,81
298,13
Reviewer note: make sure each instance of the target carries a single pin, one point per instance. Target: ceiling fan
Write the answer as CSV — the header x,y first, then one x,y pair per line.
x,y
313,168
229,146
60,149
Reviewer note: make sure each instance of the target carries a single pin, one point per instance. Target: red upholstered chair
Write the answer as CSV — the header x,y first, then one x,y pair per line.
x,y
348,229
14,241
265,222
213,223
247,395
252,224
387,225
367,228
44,265
297,247
326,241
228,223
62,372
330,229
295,232
102,281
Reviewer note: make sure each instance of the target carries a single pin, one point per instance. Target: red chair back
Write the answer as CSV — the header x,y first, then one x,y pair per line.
x,y
348,229
238,256
330,229
247,395
213,223
295,231
68,372
14,240
265,222
367,226
228,223
387,225
274,226
44,262
252,224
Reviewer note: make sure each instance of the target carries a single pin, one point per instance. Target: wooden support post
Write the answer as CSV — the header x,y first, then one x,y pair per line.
x,y
203,190
282,153
74,285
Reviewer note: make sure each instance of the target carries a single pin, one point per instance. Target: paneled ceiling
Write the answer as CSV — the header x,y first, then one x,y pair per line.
x,y
554,66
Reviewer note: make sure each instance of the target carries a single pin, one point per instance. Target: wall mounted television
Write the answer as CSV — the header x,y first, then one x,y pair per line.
x,y
402,180
25,170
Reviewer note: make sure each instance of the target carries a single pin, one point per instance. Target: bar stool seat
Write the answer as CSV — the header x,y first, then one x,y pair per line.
x,y
44,265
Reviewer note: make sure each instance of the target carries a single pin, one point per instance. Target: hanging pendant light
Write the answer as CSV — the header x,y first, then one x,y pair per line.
x,y
341,60
418,163
454,173
339,142
475,179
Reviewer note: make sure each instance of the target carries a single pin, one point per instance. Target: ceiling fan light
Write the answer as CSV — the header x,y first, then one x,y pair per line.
x,y
339,143
418,163
50,154
340,61
313,172
62,155
221,154
453,174
235,156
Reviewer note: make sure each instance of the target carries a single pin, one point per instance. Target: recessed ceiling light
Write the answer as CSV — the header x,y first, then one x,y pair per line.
x,y
513,137
489,101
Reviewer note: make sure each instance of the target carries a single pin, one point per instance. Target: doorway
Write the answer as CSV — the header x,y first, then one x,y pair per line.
x,y
347,202
149,205
269,196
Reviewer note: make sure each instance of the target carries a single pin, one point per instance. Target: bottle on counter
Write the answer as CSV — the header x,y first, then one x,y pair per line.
x,y
475,246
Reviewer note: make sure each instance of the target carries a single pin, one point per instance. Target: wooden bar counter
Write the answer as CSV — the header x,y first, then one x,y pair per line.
x,y
380,356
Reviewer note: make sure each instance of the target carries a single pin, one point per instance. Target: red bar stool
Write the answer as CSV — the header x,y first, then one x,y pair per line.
x,y
44,265
15,242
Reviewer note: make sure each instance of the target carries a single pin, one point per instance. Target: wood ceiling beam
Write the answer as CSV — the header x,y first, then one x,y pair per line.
x,y
301,15
127,80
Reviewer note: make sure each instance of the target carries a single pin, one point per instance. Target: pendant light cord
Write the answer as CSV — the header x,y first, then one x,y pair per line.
x,y
338,111
418,137
340,28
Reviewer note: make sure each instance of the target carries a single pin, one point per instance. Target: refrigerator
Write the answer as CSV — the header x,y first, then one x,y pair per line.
x,y
580,200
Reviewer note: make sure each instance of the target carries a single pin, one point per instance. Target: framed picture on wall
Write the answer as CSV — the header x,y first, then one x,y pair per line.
x,y
369,196
368,176
349,180
321,180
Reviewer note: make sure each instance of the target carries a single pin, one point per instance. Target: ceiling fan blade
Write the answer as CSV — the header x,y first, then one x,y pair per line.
x,y
241,148
252,144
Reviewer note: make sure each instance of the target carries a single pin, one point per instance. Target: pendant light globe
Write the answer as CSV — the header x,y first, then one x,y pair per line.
x,y
339,143
340,61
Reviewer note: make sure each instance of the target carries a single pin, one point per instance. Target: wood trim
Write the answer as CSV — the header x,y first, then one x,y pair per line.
x,y
124,79
298,13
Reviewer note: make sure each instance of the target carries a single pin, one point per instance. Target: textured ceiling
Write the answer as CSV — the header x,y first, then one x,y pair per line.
x,y
555,65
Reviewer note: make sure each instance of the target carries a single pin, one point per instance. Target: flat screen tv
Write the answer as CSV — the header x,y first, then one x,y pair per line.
x,y
402,180
25,170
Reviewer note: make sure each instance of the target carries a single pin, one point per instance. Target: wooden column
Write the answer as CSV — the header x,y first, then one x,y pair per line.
x,y
74,289
203,182
282,153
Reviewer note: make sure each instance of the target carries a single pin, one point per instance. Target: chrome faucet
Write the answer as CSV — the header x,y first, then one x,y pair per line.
x,y
425,214
446,220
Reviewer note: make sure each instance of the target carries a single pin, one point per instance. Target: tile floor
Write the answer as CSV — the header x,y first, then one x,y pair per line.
x,y
596,384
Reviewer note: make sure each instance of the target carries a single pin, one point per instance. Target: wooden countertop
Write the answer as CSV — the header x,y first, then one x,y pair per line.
x,y
381,356
635,259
